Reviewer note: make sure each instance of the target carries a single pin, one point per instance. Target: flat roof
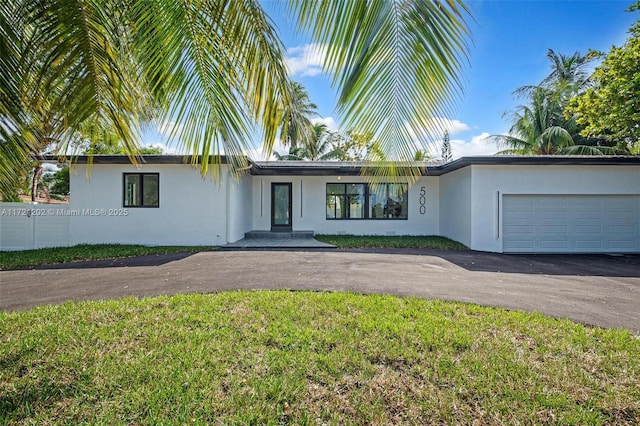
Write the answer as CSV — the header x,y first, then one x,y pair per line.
x,y
348,168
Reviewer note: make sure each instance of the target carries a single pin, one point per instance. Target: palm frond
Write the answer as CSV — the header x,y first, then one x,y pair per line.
x,y
587,150
223,72
397,63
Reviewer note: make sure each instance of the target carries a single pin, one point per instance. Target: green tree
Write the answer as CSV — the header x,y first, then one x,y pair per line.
x,y
215,68
297,128
354,146
60,184
534,130
318,148
294,154
544,126
610,109
569,74
446,147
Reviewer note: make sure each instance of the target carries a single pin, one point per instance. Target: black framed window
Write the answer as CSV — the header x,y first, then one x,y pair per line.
x,y
141,190
364,201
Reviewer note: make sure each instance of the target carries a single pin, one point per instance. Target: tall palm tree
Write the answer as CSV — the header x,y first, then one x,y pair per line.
x,y
535,129
296,117
568,73
541,129
214,68
320,147
297,153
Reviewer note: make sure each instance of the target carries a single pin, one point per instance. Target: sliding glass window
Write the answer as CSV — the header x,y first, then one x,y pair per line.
x,y
335,201
141,190
364,201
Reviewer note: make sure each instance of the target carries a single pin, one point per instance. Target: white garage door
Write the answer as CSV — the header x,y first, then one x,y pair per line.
x,y
571,223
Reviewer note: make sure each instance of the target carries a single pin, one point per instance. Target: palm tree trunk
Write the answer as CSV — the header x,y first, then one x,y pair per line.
x,y
37,171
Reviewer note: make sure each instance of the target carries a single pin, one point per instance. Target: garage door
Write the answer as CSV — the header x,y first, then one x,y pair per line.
x,y
571,223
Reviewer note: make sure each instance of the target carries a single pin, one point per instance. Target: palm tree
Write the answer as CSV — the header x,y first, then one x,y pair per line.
x,y
295,154
296,117
542,127
535,129
215,68
568,73
319,147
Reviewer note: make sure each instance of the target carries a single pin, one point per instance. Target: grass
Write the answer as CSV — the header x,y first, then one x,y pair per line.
x,y
404,241
43,256
310,358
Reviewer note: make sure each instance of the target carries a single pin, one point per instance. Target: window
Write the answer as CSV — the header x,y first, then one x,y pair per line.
x,y
141,190
364,201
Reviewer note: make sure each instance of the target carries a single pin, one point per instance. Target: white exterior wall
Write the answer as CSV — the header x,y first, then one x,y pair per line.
x,y
465,205
455,205
488,180
192,209
240,207
309,208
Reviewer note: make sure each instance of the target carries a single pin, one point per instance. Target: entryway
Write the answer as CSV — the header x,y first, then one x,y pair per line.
x,y
281,210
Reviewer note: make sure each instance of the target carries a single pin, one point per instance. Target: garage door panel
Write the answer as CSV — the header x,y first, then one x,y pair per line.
x,y
554,215
515,230
552,201
590,230
520,215
571,223
588,215
553,245
589,203
554,230
589,244
625,216
520,245
628,245
622,230
621,203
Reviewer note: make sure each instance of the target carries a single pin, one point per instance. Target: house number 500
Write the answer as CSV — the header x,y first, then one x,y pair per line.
x,y
423,200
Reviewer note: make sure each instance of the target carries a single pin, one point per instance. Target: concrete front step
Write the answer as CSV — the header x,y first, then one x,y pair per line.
x,y
278,240
279,234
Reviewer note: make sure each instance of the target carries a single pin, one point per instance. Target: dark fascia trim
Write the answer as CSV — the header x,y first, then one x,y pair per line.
x,y
124,159
340,168
538,160
330,168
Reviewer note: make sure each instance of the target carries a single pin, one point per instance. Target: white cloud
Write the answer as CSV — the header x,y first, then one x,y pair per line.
x,y
305,60
257,154
436,128
478,145
453,126
331,124
166,149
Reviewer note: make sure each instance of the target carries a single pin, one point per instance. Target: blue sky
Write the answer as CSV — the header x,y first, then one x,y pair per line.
x,y
510,43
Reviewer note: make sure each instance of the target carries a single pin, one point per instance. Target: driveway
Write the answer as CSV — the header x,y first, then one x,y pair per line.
x,y
593,289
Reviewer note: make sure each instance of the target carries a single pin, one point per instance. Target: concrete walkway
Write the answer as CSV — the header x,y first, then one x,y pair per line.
x,y
596,290
278,243
278,240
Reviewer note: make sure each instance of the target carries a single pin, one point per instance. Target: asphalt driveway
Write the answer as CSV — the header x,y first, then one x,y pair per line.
x,y
593,289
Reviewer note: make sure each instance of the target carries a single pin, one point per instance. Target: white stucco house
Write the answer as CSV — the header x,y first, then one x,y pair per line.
x,y
497,203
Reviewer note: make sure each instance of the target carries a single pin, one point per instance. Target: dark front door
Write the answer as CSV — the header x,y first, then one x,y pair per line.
x,y
281,206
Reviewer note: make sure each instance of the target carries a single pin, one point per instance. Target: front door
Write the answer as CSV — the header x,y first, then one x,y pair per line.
x,y
281,206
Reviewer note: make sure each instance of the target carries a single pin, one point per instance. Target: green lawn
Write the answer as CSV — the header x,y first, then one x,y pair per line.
x,y
277,357
404,241
25,258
